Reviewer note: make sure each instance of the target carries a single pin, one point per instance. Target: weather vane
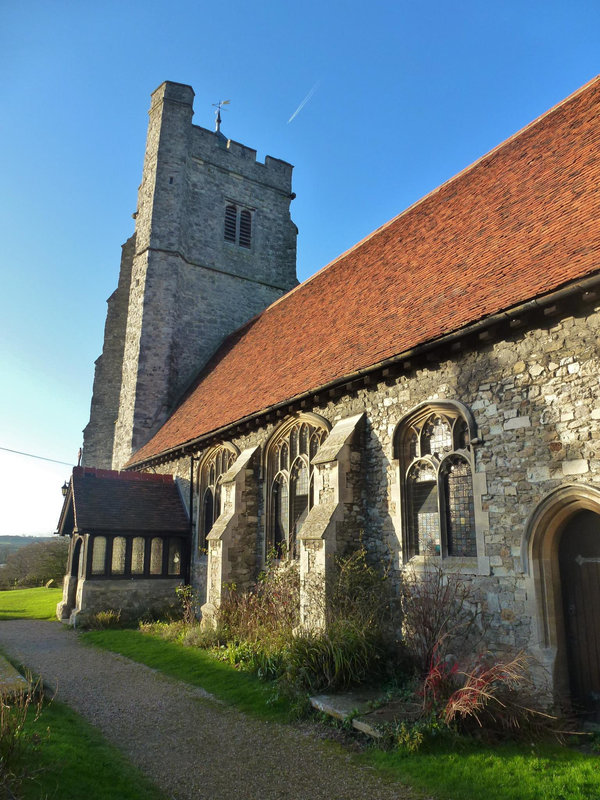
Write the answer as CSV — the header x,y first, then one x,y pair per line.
x,y
219,106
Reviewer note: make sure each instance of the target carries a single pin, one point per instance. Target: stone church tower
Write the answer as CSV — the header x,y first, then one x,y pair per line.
x,y
213,246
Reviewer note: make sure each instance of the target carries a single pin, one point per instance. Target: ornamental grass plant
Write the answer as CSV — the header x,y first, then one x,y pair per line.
x,y
462,688
262,631
16,742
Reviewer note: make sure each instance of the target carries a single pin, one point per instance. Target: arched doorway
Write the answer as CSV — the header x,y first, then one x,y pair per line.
x,y
579,566
561,553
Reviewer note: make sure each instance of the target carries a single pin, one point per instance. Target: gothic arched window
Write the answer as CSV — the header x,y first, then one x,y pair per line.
x,y
290,481
238,225
212,469
436,472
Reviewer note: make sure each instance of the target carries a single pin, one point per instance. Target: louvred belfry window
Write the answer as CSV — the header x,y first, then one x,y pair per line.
x,y
230,223
245,228
238,226
290,482
211,472
436,468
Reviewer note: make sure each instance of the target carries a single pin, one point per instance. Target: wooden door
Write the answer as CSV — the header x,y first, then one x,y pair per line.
x,y
579,559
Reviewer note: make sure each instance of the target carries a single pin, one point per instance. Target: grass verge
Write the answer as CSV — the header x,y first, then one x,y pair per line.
x,y
197,667
29,603
503,771
73,760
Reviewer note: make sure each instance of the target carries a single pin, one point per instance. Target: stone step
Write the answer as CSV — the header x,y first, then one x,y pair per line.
x,y
347,705
359,707
11,681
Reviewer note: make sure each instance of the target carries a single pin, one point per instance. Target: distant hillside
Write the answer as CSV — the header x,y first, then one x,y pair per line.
x,y
10,544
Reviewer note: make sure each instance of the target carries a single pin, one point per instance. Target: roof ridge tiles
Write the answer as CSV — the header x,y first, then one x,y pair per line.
x,y
128,476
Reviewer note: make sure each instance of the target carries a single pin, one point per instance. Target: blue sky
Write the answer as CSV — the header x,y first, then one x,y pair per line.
x,y
407,95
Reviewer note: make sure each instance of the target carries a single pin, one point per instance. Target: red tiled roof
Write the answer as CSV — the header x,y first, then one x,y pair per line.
x,y
106,500
519,223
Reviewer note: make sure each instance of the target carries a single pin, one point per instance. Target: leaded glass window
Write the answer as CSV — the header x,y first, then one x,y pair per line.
x,y
211,473
156,556
280,511
460,515
99,555
424,516
118,556
436,459
174,563
138,548
291,484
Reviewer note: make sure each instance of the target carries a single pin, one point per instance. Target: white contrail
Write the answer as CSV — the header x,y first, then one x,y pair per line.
x,y
304,102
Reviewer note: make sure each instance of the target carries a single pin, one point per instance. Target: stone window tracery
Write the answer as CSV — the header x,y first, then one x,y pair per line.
x,y
290,481
212,469
436,473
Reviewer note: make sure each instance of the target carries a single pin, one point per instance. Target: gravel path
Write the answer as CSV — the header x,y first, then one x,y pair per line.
x,y
188,743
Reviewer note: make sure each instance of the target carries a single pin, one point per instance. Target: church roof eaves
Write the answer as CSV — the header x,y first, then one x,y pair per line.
x,y
518,224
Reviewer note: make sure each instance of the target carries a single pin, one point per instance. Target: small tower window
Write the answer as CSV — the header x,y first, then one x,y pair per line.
x,y
230,223
238,226
245,228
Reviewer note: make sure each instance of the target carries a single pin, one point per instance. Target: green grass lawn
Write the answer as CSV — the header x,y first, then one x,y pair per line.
x,y
73,761
29,603
193,665
501,772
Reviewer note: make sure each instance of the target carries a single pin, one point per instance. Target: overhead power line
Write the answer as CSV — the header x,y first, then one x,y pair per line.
x,y
41,458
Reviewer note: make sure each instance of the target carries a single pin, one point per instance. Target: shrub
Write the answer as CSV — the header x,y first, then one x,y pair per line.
x,y
262,634
189,601
460,689
361,592
35,564
440,616
409,738
196,636
169,631
270,609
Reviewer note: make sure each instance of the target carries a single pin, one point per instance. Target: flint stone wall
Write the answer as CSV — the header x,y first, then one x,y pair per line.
x,y
536,402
